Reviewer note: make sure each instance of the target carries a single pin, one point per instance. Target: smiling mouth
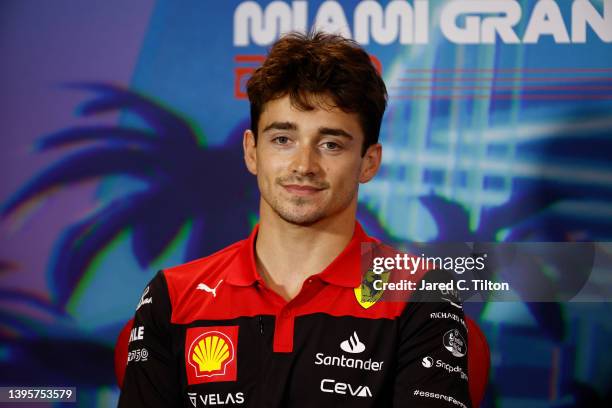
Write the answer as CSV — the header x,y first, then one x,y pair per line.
x,y
302,190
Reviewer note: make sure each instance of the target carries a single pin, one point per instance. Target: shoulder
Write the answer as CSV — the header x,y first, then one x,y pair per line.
x,y
185,279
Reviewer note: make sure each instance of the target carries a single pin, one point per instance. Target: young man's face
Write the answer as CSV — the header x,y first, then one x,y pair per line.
x,y
308,163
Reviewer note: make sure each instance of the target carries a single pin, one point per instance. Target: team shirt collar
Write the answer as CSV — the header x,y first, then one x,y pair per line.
x,y
344,270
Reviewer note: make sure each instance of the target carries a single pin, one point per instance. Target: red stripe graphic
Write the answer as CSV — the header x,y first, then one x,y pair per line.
x,y
514,79
585,83
506,88
549,97
512,70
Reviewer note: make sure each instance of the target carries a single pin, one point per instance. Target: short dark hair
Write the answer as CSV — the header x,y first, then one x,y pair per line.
x,y
304,66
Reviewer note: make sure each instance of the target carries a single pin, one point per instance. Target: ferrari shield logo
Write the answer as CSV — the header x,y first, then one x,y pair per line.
x,y
365,293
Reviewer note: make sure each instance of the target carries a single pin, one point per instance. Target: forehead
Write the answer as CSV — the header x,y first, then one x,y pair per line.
x,y
324,114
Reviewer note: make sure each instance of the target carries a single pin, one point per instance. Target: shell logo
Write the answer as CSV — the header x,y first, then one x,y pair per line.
x,y
211,354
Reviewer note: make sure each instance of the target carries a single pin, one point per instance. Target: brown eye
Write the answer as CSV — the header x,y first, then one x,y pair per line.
x,y
281,140
331,146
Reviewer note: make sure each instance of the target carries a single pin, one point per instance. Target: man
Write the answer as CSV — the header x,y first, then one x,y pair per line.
x,y
274,320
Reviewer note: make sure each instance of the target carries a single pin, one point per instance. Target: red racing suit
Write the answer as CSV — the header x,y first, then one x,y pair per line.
x,y
210,332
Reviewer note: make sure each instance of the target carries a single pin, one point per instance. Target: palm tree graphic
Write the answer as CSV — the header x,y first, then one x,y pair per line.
x,y
185,182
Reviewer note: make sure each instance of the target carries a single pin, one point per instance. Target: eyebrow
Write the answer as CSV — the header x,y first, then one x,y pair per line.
x,y
335,132
322,130
281,126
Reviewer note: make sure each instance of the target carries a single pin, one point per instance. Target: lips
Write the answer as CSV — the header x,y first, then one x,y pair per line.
x,y
302,190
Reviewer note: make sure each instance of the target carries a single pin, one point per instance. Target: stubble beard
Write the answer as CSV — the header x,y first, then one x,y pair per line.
x,y
295,211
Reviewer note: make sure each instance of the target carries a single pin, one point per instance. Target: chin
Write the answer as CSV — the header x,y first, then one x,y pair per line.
x,y
301,218
303,221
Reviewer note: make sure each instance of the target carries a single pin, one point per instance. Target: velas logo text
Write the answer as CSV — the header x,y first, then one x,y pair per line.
x,y
204,400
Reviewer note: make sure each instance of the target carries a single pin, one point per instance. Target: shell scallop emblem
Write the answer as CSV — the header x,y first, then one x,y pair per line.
x,y
211,354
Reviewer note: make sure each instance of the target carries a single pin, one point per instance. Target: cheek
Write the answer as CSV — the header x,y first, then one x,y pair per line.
x,y
344,176
269,167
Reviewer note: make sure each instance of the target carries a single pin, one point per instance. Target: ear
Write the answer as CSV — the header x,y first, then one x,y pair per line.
x,y
249,147
370,163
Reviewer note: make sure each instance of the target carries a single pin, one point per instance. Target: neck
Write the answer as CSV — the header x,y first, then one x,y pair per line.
x,y
287,254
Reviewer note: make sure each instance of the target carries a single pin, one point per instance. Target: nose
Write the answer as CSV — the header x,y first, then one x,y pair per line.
x,y
305,162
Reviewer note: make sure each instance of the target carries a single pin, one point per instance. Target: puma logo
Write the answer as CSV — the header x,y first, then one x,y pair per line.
x,y
206,288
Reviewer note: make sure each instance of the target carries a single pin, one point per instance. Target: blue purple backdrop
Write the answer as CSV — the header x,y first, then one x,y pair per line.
x,y
121,155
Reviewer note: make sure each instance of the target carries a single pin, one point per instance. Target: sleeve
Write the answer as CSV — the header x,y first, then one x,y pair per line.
x,y
152,374
432,352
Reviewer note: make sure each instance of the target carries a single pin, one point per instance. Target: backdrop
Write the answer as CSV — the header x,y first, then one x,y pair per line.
x,y
120,155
